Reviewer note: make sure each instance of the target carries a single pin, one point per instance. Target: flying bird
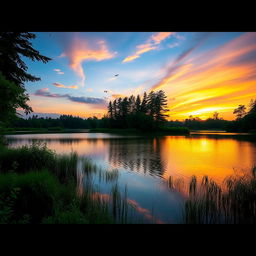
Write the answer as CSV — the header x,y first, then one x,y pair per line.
x,y
105,91
117,75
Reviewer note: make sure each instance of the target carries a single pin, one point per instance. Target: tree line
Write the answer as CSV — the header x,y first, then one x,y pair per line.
x,y
146,113
245,120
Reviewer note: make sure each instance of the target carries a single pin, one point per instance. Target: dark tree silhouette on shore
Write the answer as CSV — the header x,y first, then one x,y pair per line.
x,y
148,114
13,72
240,111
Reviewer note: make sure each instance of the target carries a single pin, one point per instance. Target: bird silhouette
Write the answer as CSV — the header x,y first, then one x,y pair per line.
x,y
117,75
106,91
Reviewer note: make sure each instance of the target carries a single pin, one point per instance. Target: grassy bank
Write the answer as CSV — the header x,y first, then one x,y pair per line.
x,y
39,186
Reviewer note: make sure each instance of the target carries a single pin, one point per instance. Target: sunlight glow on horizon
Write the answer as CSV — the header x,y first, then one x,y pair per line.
x,y
199,77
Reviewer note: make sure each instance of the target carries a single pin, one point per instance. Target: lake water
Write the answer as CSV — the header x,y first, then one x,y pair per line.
x,y
146,163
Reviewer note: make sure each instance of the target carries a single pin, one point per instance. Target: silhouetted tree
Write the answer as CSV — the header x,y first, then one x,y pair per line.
x,y
144,103
138,104
110,110
161,106
13,45
215,115
240,111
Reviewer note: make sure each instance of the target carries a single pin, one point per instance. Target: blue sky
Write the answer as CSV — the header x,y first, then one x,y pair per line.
x,y
84,65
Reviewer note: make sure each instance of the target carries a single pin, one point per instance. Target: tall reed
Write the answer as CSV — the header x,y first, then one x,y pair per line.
x,y
232,203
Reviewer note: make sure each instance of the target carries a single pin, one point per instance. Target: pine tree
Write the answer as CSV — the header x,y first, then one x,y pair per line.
x,y
151,104
240,111
110,110
144,104
160,106
119,107
13,45
138,104
114,109
131,107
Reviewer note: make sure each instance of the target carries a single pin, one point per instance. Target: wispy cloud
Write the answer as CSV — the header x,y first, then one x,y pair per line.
x,y
151,44
65,86
80,50
86,100
173,45
213,80
59,72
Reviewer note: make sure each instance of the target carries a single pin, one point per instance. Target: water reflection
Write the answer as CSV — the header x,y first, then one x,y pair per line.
x,y
142,155
215,155
145,164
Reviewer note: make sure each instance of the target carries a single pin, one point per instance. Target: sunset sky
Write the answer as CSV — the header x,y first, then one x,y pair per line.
x,y
201,72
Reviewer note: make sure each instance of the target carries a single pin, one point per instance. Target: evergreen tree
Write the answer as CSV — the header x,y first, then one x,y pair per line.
x,y
252,106
119,108
110,110
13,45
138,104
144,104
11,98
160,106
114,109
131,107
240,111
151,104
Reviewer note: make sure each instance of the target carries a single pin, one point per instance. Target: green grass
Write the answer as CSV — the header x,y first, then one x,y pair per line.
x,y
39,186
39,197
232,203
26,158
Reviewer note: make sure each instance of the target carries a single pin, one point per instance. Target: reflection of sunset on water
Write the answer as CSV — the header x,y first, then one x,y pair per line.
x,y
163,156
149,165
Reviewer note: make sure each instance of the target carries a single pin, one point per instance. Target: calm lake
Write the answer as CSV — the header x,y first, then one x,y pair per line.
x,y
146,163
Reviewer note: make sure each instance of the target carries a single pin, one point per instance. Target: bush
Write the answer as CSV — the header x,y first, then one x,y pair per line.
x,y
26,158
31,196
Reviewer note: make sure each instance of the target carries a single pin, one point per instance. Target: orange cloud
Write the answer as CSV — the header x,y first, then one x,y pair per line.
x,y
159,37
217,80
150,45
80,50
65,86
131,58
116,96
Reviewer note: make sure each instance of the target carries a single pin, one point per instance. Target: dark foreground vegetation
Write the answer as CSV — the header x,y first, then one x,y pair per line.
x,y
233,202
38,186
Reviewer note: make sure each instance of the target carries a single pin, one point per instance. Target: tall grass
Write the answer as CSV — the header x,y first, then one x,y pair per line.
x,y
232,203
115,202
39,186
36,157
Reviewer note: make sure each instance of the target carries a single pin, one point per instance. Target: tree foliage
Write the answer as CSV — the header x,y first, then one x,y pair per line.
x,y
12,97
14,46
146,114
